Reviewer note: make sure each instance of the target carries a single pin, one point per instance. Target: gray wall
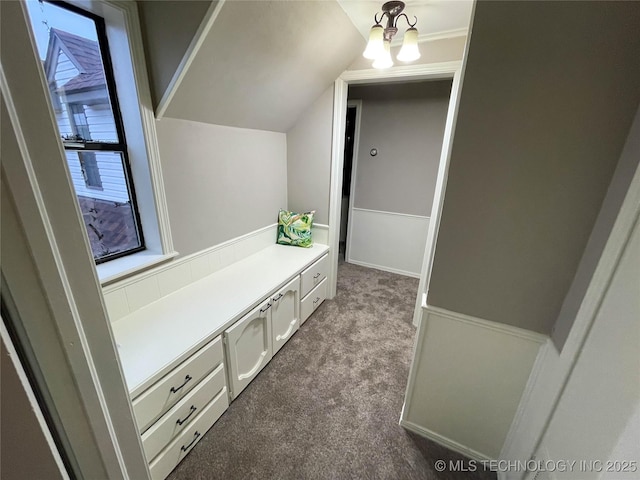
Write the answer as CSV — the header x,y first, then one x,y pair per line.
x,y
168,26
549,94
221,182
405,123
616,193
309,159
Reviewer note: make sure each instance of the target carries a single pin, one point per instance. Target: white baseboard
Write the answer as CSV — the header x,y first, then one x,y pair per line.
x,y
444,441
385,269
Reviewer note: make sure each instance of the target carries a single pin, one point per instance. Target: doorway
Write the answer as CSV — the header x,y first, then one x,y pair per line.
x,y
447,70
351,135
393,140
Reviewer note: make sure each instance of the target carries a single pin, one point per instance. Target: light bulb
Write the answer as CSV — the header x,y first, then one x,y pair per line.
x,y
409,51
384,60
375,47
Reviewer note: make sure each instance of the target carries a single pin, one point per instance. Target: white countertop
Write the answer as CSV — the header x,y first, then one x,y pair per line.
x,y
153,340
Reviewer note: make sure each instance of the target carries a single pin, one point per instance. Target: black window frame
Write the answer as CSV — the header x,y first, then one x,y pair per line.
x,y
80,145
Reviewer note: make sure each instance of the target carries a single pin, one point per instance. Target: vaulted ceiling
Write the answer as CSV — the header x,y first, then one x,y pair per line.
x,y
261,64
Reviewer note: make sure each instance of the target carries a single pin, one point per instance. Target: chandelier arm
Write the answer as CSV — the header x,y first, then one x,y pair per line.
x,y
407,20
375,17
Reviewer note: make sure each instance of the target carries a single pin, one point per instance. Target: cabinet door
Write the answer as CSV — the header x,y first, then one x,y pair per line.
x,y
285,313
248,346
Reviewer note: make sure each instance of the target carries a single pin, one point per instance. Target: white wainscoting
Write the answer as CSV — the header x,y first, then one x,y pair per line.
x,y
466,381
393,242
131,294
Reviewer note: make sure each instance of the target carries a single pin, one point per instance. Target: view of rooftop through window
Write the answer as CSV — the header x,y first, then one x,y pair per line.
x,y
70,45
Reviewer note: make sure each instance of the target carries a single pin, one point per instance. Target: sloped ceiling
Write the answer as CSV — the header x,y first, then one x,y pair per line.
x,y
264,62
167,41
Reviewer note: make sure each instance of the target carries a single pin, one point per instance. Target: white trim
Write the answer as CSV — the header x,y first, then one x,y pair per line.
x,y
81,360
441,185
64,267
141,79
384,212
430,37
385,269
495,326
444,441
33,402
432,71
354,172
128,266
335,188
189,56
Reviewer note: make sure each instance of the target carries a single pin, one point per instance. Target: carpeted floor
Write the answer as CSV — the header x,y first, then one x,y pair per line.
x,y
327,405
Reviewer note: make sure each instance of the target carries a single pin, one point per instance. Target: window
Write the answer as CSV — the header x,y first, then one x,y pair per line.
x,y
78,121
73,47
90,169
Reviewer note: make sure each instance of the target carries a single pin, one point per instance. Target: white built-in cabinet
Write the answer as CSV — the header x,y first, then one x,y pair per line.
x,y
188,354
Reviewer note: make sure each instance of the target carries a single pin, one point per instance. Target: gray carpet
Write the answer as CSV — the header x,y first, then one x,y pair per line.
x,y
327,405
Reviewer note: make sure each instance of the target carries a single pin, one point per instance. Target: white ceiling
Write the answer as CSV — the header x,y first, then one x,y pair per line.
x,y
264,62
436,18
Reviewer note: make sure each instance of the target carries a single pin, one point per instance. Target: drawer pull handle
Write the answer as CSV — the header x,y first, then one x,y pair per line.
x,y
191,410
278,297
263,310
316,275
316,300
186,380
196,435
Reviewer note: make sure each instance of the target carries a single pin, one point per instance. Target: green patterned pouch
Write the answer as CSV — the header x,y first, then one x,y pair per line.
x,y
295,228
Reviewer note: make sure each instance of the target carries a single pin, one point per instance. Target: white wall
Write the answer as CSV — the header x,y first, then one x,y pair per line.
x,y
221,182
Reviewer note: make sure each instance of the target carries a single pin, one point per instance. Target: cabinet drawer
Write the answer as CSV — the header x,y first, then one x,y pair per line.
x,y
313,275
183,413
159,398
312,301
167,460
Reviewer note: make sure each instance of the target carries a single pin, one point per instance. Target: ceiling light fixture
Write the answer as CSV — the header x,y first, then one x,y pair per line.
x,y
379,45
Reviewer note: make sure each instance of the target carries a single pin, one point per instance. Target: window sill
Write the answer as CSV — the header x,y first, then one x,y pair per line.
x,y
124,267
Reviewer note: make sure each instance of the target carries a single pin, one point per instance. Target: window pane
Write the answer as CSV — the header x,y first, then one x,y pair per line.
x,y
68,47
100,184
